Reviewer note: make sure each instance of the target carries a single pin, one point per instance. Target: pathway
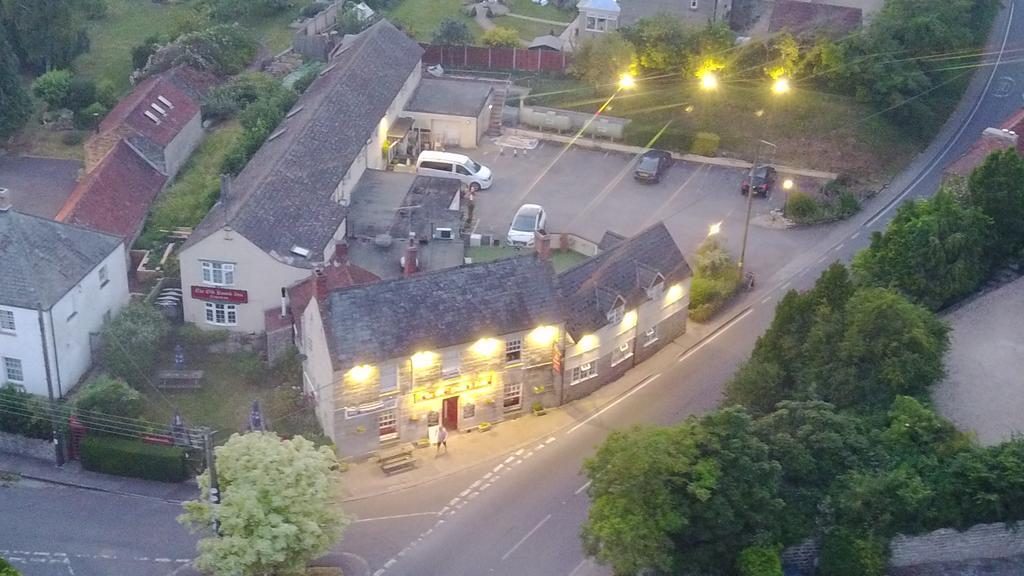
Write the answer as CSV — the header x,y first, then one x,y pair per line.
x,y
542,20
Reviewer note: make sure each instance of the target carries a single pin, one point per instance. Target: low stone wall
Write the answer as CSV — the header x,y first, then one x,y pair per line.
x,y
31,447
948,545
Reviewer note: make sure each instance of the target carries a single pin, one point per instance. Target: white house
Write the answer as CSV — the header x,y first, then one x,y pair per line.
x,y
59,284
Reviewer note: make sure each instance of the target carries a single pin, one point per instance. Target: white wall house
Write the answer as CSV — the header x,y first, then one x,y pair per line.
x,y
59,284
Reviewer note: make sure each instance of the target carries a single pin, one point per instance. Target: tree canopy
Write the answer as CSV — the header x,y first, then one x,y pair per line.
x,y
45,34
997,189
601,60
452,32
15,106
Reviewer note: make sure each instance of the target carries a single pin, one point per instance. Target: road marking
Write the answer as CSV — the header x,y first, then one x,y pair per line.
x,y
473,495
464,492
453,501
840,247
854,235
520,451
639,387
952,141
378,572
584,487
540,446
528,534
161,559
820,260
475,484
717,333
528,454
398,516
498,467
766,299
550,440
577,568
509,459
390,563
488,475
785,285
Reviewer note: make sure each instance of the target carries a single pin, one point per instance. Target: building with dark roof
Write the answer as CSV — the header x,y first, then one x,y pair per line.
x,y
481,342
454,112
59,284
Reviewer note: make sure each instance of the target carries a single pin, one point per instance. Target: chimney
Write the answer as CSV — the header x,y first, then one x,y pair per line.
x,y
319,283
5,200
542,244
284,302
340,253
410,256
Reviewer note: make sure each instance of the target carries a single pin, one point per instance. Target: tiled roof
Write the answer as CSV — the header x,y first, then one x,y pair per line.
x,y
450,97
42,259
337,274
396,318
283,196
116,196
799,16
625,270
145,98
609,240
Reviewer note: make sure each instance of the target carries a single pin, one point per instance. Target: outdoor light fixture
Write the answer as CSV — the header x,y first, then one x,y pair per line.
x,y
787,184
715,228
674,293
781,86
544,335
708,81
485,346
627,82
629,319
422,360
588,342
361,373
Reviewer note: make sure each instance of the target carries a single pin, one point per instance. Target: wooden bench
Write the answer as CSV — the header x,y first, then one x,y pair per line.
x,y
396,460
179,379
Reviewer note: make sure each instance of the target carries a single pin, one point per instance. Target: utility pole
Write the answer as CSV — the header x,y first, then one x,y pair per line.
x,y
52,403
750,199
211,468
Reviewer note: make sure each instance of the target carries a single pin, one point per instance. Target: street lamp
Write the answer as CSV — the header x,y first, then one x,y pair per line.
x,y
781,85
715,228
627,82
787,184
708,81
750,196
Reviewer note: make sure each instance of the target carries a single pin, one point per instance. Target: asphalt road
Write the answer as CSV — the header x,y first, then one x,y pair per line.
x,y
524,516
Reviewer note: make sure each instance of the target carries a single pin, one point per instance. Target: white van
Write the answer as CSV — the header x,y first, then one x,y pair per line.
x,y
448,165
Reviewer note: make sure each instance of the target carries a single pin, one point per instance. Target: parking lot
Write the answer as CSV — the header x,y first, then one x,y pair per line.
x,y
588,192
38,186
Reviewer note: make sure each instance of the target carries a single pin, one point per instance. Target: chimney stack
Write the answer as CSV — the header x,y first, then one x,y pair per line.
x,y
340,253
411,257
5,200
284,302
542,244
319,283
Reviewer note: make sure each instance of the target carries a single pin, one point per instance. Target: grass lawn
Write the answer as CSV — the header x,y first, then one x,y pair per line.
x,y
811,129
36,140
421,18
549,12
195,189
273,31
527,29
560,259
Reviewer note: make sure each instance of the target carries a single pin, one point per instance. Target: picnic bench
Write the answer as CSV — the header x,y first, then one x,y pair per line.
x,y
395,459
179,379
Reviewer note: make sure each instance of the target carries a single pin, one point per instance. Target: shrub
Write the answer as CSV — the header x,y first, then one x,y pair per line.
x,y
7,570
705,144
53,88
106,94
715,281
81,93
195,338
142,52
111,397
131,343
222,50
25,414
845,553
500,37
759,561
452,32
90,116
313,9
93,9
134,458
801,207
72,138
303,82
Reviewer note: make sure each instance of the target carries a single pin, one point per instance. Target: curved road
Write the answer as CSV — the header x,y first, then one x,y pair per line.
x,y
520,513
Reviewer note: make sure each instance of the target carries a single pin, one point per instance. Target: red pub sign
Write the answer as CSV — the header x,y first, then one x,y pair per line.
x,y
220,294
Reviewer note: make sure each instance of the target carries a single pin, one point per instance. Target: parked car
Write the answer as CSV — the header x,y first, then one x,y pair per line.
x,y
529,218
764,179
457,166
652,165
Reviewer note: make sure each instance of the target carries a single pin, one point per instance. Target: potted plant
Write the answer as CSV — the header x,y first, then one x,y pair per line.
x,y
484,426
538,408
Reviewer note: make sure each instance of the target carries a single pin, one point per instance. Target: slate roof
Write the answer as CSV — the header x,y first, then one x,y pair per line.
x,y
799,16
609,240
547,41
451,97
42,259
633,10
282,198
116,196
433,310
625,271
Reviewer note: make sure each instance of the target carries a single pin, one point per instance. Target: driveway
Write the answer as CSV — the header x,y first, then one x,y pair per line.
x,y
38,186
589,192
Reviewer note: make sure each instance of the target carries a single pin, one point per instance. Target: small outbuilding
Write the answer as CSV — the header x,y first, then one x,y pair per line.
x,y
450,112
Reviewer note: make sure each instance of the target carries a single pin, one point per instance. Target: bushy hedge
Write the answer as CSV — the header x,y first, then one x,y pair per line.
x,y
844,553
24,414
715,280
760,561
134,458
131,343
110,397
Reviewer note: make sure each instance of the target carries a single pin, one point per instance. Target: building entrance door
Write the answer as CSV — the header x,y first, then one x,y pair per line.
x,y
450,413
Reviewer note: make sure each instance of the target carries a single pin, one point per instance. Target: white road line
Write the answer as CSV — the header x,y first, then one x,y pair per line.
x,y
463,493
582,488
528,454
549,440
378,572
785,285
840,247
485,486
639,387
509,459
453,501
488,475
854,235
520,451
721,331
766,299
540,446
390,563
578,566
498,468
528,534
475,484
820,260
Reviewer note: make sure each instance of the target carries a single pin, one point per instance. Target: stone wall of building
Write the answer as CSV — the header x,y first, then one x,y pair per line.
x,y
31,447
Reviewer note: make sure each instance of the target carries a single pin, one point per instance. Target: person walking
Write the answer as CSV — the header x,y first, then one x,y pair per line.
x,y
442,440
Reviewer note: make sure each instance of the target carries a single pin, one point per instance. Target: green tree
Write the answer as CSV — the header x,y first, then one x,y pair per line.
x,y
685,499
852,553
601,60
500,36
935,251
53,88
224,50
759,561
997,189
45,34
15,106
662,45
111,397
277,507
131,343
452,32
7,570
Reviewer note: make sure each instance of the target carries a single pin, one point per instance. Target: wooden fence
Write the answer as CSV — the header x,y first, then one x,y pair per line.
x,y
496,58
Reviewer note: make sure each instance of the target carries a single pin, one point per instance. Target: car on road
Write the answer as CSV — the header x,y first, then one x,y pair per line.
x,y
764,179
530,218
652,165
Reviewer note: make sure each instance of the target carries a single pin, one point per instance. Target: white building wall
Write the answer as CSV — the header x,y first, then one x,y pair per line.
x,y
448,130
25,344
317,370
259,274
178,150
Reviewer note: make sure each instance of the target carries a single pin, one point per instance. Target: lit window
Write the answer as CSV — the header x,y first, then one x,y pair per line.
x,y
218,273
513,397
12,370
623,352
651,336
583,372
450,363
104,278
221,314
387,424
615,316
7,321
513,350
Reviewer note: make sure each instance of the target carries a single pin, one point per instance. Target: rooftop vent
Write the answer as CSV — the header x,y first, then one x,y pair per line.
x,y
165,102
156,107
152,117
300,251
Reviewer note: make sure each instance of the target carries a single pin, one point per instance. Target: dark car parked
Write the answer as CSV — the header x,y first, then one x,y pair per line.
x,y
652,165
764,179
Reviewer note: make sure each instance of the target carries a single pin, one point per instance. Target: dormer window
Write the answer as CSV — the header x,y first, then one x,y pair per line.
x,y
615,315
656,287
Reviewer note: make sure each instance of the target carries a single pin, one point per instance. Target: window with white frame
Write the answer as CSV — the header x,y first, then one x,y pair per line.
x,y
597,24
218,273
655,289
693,4
583,372
13,371
104,276
615,316
513,396
513,349
622,352
651,335
7,321
387,425
221,314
